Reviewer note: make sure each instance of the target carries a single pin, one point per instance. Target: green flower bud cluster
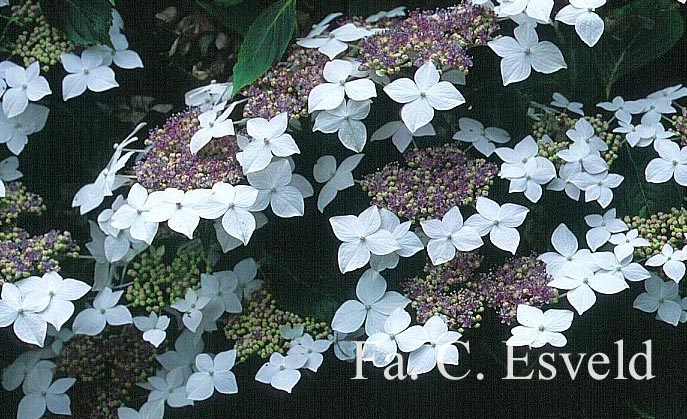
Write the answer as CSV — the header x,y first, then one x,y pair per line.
x,y
660,229
256,330
17,202
38,39
555,126
157,282
107,368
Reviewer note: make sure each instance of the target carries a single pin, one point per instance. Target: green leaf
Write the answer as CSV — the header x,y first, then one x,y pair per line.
x,y
637,34
265,43
85,22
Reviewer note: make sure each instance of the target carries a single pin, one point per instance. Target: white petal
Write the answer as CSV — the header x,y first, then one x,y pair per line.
x,y
589,26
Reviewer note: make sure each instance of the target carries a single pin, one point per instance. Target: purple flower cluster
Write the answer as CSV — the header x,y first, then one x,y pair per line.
x,y
520,280
23,255
285,87
170,164
17,202
441,36
679,126
448,290
435,179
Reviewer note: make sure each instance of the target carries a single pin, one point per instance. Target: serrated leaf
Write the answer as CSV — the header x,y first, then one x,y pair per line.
x,y
265,43
85,22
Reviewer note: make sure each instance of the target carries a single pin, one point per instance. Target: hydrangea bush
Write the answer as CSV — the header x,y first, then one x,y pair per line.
x,y
456,221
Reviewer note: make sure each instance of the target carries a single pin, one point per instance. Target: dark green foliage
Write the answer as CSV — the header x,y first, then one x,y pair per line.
x,y
85,22
265,42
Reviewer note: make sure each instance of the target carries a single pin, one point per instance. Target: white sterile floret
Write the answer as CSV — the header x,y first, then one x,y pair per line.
x,y
581,283
346,121
660,297
483,139
382,347
561,101
671,163
153,328
625,268
186,347
14,374
499,222
400,136
275,190
525,169
584,132
269,138
344,345
448,235
149,410
131,215
330,95
106,310
383,14
565,182
41,393
580,155
60,292
91,195
602,227
233,204
177,208
246,272
213,373
438,349
191,306
291,332
86,72
598,187
171,387
322,26
410,243
281,372
422,95
213,124
524,53
375,305
121,55
539,10
208,96
672,262
335,179
625,243
623,110
361,236
15,131
23,85
23,311
655,107
539,328
581,14
312,349
221,287
336,42
566,246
